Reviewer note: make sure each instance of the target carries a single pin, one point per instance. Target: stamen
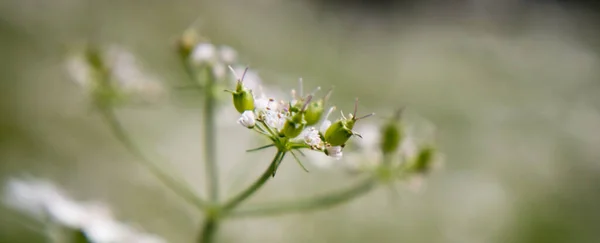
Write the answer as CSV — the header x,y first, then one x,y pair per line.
x,y
329,112
244,74
365,116
307,102
326,98
234,73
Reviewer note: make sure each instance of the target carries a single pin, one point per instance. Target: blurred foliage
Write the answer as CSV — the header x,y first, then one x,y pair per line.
x,y
513,93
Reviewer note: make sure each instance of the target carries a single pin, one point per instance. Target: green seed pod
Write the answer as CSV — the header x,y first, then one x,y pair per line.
x,y
391,136
314,112
339,132
243,100
293,127
424,160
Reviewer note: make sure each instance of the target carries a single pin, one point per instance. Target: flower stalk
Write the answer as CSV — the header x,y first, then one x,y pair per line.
x,y
178,186
323,201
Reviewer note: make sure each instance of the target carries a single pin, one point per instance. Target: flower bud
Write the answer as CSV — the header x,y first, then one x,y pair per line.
x,y
391,136
247,119
339,132
334,151
186,43
293,127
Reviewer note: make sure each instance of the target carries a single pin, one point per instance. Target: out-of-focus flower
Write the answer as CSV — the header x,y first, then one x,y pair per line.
x,y
112,75
204,53
227,54
215,58
45,201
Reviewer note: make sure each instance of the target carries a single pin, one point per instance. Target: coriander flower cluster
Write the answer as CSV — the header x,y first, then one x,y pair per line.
x,y
299,123
45,201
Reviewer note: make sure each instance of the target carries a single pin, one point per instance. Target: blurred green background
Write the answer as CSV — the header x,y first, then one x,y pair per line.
x,y
512,89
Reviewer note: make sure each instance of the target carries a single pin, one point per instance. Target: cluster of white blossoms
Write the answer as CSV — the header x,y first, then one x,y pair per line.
x,y
45,201
298,123
216,57
116,69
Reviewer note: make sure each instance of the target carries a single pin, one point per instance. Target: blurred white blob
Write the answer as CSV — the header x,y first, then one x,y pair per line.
x,y
79,70
227,54
43,200
204,53
130,77
126,74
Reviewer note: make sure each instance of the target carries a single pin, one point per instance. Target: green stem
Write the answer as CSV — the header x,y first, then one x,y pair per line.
x,y
178,186
209,229
302,205
232,203
210,139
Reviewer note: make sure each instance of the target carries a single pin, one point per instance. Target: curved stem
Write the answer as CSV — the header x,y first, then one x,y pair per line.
x,y
178,186
232,203
302,205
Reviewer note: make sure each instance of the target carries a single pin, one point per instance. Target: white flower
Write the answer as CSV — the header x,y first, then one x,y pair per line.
x,y
312,138
334,151
204,53
247,119
274,119
130,77
227,54
262,103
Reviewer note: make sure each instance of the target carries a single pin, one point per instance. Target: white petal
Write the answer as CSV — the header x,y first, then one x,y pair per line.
x,y
203,53
247,119
227,54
